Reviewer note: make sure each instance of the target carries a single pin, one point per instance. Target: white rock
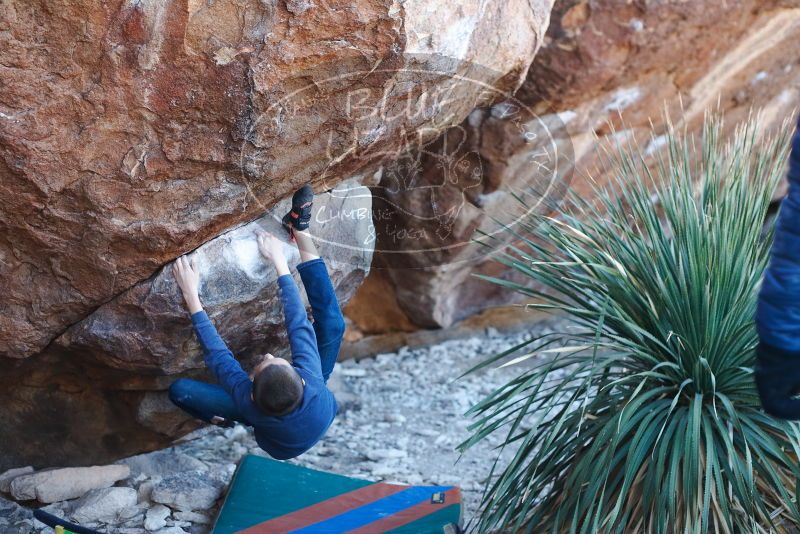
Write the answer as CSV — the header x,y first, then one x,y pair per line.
x,y
162,463
104,505
171,530
11,474
146,489
129,514
237,433
156,517
193,490
68,483
193,517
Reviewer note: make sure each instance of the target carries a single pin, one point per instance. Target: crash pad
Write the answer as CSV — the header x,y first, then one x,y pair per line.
x,y
267,496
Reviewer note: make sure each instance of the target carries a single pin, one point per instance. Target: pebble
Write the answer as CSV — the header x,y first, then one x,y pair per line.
x,y
7,476
171,530
145,489
161,463
385,454
394,418
354,372
68,483
237,433
156,517
103,505
193,517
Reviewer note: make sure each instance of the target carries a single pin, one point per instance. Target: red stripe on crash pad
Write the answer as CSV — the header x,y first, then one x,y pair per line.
x,y
325,509
408,515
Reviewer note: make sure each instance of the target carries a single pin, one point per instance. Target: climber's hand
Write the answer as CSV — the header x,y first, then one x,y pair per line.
x,y
272,249
188,278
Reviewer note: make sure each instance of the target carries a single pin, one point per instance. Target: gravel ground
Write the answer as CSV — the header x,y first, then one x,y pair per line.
x,y
401,418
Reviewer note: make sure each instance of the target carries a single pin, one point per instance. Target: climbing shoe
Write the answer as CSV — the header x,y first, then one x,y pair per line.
x,y
299,216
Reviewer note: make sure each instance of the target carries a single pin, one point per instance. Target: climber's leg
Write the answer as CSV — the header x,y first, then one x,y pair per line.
x,y
328,320
306,246
207,402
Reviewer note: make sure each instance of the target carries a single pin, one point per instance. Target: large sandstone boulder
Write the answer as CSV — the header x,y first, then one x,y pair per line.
x,y
132,132
607,69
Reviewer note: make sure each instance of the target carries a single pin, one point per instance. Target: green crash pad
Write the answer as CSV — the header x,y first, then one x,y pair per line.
x,y
269,496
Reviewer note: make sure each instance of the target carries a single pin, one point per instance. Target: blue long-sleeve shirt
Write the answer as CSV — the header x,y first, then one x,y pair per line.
x,y
778,316
292,434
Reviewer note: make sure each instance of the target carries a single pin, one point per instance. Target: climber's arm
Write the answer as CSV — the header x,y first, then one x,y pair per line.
x,y
302,339
188,277
218,357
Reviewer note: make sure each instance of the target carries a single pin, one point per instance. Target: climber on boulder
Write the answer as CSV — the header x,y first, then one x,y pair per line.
x,y
288,404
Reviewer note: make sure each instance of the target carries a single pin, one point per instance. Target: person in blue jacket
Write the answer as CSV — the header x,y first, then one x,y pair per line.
x,y
777,369
288,404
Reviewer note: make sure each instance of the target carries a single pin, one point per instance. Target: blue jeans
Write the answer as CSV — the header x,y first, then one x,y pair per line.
x,y
204,401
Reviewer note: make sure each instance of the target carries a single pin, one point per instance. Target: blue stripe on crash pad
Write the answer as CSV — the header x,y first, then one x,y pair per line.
x,y
374,511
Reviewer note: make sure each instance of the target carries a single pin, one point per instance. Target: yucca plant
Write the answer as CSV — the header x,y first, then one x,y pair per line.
x,y
642,416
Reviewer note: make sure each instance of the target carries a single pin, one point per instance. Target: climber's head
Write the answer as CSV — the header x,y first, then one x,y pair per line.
x,y
277,388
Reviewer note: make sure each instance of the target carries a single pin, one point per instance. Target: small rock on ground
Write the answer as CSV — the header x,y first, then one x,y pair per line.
x,y
156,517
8,476
103,505
193,490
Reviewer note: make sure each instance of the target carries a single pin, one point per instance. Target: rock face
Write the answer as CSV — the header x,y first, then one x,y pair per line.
x,y
607,68
145,329
134,131
500,164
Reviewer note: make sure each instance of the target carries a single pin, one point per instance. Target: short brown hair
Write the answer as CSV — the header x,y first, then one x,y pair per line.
x,y
277,389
